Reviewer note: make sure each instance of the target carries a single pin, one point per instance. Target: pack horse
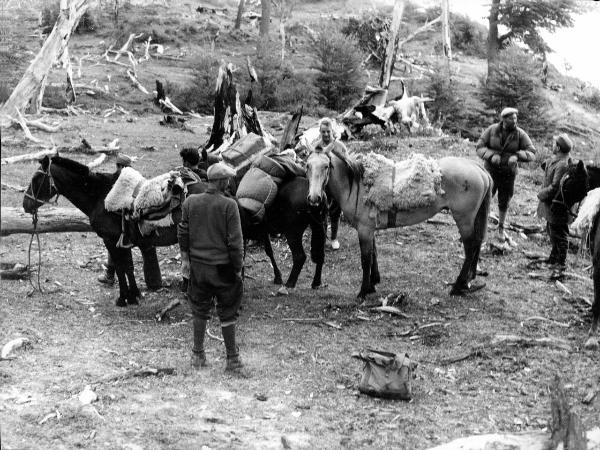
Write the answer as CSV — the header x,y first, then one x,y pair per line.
x,y
465,189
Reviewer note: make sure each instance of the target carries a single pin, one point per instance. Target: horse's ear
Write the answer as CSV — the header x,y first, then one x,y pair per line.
x,y
45,161
580,165
543,165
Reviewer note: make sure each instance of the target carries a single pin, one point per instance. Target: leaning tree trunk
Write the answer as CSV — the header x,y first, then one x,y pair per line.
x,y
392,46
493,44
35,75
240,13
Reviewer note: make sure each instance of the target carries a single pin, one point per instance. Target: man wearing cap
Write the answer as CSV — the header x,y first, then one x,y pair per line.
x,y
556,214
108,277
210,237
501,146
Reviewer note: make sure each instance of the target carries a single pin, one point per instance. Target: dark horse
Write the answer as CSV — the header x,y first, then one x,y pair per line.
x,y
575,184
87,190
290,215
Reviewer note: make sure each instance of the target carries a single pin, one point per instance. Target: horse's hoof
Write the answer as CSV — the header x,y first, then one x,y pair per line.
x,y
466,289
283,291
315,286
592,343
121,302
133,301
335,244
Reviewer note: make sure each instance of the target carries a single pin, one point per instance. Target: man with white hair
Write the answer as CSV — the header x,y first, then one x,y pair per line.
x,y
210,238
501,147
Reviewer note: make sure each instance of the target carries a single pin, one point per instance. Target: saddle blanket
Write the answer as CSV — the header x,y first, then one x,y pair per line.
x,y
405,185
590,207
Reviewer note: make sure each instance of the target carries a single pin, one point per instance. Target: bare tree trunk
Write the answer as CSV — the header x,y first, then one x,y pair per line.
x,y
37,71
446,30
240,13
265,22
282,33
493,35
390,51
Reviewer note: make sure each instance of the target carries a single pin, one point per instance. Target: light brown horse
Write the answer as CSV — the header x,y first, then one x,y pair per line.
x,y
467,192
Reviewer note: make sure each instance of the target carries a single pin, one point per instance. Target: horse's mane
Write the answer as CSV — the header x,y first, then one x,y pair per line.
x,y
354,165
95,182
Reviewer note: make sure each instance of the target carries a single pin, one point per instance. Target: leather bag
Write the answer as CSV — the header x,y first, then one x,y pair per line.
x,y
386,374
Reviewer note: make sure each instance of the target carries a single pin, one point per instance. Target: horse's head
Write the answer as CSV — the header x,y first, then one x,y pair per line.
x,y
318,169
574,185
41,188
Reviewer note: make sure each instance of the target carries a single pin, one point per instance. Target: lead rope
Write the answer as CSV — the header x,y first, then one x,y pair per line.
x,y
39,265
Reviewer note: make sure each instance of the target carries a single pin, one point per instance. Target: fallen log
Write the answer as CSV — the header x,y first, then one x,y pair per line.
x,y
160,315
50,220
10,271
133,373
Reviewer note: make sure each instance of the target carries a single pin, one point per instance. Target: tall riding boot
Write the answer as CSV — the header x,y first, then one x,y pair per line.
x,y
234,363
198,355
501,220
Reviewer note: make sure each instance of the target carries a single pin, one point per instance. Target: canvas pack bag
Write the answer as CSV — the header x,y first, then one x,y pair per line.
x,y
386,374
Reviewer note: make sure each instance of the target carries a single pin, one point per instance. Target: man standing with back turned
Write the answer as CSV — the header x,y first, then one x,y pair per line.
x,y
210,235
501,147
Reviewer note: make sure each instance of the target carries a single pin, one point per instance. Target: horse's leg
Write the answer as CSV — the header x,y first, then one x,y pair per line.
x,y
592,342
335,213
365,239
152,275
117,256
294,240
133,294
375,277
317,248
269,252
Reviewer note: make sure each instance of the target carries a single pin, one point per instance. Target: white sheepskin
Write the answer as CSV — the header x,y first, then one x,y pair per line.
x,y
405,185
121,195
588,210
154,192
146,227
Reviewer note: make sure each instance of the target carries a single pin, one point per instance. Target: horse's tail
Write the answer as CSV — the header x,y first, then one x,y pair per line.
x,y
481,219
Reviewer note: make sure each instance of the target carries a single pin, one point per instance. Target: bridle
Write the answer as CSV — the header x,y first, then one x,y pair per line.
x,y
52,190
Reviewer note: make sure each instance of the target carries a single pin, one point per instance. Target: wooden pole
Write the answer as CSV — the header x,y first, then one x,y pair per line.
x,y
390,51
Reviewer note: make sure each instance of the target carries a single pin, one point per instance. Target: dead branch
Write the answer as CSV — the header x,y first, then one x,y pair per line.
x,y
137,84
23,123
135,373
96,162
28,157
66,64
160,315
42,126
390,310
123,49
17,271
12,187
545,319
212,336
414,66
501,341
167,103
51,220
418,31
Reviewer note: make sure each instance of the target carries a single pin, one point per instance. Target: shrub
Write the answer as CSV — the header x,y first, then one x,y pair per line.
x,y
590,96
370,33
514,82
468,36
87,23
199,94
447,110
340,80
296,91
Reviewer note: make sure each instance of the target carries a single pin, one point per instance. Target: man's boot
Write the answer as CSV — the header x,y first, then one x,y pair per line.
x,y
234,362
198,356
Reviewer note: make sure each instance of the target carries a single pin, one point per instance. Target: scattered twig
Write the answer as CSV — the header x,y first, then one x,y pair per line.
x,y
98,161
545,319
13,187
563,288
301,319
160,315
137,84
212,336
390,310
132,373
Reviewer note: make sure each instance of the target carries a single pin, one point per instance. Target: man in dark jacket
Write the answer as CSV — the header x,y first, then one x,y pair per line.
x,y
501,146
556,213
191,161
210,236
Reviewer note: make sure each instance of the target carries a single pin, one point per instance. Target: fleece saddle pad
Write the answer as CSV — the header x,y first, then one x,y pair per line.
x,y
588,210
124,191
405,185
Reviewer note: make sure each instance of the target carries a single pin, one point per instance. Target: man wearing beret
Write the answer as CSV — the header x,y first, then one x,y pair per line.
x,y
108,277
555,213
210,237
501,147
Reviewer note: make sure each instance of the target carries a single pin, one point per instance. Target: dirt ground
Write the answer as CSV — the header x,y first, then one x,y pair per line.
x,y
303,387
